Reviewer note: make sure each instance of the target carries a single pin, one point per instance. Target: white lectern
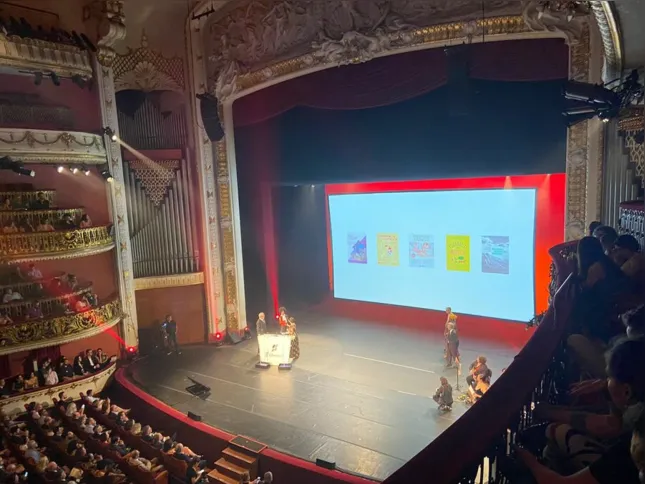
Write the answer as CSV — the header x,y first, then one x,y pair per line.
x,y
275,348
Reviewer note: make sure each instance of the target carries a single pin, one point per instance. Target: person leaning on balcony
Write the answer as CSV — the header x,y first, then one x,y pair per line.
x,y
615,464
10,296
86,221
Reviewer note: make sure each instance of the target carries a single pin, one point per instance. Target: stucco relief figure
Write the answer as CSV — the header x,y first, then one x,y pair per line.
x,y
352,47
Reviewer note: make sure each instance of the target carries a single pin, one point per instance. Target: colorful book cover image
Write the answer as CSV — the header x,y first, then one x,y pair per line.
x,y
421,251
458,253
495,254
357,248
387,249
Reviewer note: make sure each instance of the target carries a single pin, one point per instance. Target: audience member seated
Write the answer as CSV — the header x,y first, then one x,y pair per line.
x,y
40,203
79,366
35,312
4,391
18,384
31,382
11,296
85,222
65,370
5,319
592,448
67,222
51,377
45,226
10,228
196,472
477,367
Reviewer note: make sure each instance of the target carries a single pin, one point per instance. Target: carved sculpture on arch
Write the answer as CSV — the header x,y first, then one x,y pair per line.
x,y
248,45
147,70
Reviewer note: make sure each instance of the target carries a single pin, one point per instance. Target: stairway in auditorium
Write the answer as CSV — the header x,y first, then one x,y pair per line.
x,y
240,456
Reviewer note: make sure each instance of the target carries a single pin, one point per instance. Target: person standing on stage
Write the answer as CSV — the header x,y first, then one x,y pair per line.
x,y
294,352
452,346
283,319
260,328
170,327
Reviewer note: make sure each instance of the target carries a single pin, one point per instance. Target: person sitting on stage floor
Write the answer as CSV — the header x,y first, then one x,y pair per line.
x,y
443,395
294,353
452,345
477,367
481,386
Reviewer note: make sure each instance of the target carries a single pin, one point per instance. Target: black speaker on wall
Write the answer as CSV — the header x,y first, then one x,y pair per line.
x,y
208,106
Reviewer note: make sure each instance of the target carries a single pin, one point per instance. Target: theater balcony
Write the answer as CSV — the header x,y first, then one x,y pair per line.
x,y
27,51
51,146
40,333
15,404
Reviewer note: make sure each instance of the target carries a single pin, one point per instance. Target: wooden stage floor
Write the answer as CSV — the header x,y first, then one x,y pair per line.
x,y
360,394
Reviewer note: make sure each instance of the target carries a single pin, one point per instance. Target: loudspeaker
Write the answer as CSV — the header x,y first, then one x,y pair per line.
x,y
209,109
326,464
194,416
233,337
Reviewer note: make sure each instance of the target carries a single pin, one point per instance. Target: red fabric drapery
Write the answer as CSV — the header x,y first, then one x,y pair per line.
x,y
396,78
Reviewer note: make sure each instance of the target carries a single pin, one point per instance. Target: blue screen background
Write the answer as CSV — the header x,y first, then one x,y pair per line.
x,y
500,225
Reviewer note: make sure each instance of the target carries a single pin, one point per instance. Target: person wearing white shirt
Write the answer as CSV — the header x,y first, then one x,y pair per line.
x,y
34,273
51,377
10,296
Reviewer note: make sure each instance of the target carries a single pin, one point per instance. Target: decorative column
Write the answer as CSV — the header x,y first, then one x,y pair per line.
x,y
211,256
112,29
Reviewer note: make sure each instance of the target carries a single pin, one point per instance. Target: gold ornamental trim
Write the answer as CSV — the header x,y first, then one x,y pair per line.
x,y
50,332
32,55
49,146
453,32
45,395
55,245
632,120
175,280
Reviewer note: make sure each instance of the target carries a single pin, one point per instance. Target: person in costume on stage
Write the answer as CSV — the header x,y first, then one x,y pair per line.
x,y
294,353
283,319
443,395
260,328
452,345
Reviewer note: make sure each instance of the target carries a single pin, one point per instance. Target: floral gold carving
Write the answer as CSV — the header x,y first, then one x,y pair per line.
x,y
177,280
36,334
148,70
46,146
155,177
55,245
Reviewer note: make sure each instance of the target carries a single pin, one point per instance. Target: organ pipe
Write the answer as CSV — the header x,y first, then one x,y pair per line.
x,y
150,129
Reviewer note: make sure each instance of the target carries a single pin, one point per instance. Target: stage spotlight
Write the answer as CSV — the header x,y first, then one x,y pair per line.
x,y
60,168
74,170
38,78
79,81
86,170
6,163
105,173
55,78
110,132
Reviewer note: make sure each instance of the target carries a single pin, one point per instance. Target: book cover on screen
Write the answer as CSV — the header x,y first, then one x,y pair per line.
x,y
387,249
495,254
357,248
421,251
458,253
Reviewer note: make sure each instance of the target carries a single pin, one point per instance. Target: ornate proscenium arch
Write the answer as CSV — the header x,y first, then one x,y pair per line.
x,y
246,46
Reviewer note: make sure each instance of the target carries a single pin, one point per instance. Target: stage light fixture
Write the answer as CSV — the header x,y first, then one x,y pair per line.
x,y
110,132
105,173
7,163
86,170
74,170
60,168
79,81
38,78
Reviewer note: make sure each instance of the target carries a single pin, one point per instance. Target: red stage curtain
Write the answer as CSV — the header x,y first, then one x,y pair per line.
x,y
396,78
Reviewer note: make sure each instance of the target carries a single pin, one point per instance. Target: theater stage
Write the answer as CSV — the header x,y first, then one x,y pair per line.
x,y
359,395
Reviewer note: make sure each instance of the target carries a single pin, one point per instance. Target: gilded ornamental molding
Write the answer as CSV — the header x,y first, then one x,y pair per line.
x,y
50,332
175,280
32,55
47,146
68,244
45,395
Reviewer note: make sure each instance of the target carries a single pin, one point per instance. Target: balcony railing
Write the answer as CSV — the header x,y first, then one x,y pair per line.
x,y
50,332
50,306
34,217
484,434
55,245
20,198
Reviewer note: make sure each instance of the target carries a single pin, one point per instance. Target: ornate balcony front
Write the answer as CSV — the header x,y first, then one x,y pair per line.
x,y
48,146
65,244
30,335
15,404
20,54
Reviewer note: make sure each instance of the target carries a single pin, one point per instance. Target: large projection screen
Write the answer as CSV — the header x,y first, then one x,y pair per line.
x,y
473,249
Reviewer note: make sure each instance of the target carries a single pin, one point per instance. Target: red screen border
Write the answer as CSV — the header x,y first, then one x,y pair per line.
x,y
549,220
